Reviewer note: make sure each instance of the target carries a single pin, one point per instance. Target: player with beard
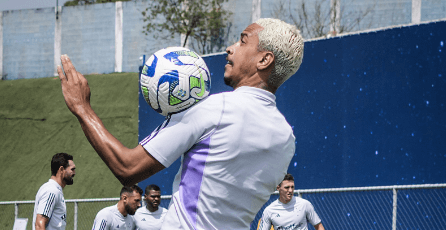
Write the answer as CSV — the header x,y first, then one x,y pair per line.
x,y
120,215
151,217
50,211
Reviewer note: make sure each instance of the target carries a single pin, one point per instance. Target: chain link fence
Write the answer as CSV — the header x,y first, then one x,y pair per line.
x,y
375,208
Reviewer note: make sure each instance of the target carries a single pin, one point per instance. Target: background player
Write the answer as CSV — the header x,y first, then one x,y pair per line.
x,y
228,141
289,212
120,215
50,211
151,216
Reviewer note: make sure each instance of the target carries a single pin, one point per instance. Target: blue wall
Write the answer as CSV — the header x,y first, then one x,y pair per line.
x,y
366,109
369,109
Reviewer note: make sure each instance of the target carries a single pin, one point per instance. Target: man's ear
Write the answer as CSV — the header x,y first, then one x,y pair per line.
x,y
124,196
267,61
60,171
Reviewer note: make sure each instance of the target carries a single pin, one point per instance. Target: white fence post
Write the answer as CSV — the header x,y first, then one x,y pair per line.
x,y
75,216
16,210
395,200
416,11
57,39
256,10
118,37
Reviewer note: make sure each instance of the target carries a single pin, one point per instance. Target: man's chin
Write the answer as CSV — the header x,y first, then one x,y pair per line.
x,y
228,81
132,213
69,182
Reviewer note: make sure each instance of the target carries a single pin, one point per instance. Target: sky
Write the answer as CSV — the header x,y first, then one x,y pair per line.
x,y
28,4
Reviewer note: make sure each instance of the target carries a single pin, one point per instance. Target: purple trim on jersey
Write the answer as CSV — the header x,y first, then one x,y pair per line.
x,y
154,133
191,176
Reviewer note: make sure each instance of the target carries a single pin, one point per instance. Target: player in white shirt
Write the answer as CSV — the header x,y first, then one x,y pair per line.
x,y
289,212
235,146
151,216
120,215
50,211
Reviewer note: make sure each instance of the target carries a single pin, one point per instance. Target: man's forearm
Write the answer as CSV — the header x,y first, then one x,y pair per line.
x,y
110,149
128,165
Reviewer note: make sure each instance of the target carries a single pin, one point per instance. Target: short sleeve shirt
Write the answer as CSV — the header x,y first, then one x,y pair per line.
x,y
111,219
51,203
294,215
235,148
147,220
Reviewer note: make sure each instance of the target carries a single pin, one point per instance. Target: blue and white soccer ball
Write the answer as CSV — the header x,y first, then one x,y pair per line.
x,y
174,79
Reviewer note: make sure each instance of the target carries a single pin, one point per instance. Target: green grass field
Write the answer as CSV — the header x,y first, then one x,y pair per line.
x,y
35,124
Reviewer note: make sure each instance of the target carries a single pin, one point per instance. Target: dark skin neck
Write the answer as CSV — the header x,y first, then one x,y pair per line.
x,y
151,208
258,80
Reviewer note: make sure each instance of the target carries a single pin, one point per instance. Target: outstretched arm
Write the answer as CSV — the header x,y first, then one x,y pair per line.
x,y
128,165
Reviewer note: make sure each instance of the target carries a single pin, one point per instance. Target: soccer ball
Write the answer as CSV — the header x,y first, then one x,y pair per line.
x,y
174,79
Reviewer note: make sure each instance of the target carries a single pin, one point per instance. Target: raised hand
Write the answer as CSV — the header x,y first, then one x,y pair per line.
x,y
75,87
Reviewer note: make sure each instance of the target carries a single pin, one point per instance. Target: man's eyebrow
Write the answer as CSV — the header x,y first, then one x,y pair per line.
x,y
243,34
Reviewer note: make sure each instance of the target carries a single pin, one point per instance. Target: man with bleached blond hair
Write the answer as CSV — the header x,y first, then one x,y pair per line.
x,y
235,146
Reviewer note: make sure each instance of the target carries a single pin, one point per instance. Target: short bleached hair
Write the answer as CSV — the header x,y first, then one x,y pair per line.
x,y
287,45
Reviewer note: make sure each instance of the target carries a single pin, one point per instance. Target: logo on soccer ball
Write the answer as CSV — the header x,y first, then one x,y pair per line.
x,y
174,79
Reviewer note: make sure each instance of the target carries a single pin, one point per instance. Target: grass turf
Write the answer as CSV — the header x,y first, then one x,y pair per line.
x,y
35,124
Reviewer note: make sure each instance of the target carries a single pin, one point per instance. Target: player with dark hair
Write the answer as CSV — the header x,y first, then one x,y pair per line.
x,y
289,212
151,216
120,215
50,211
235,146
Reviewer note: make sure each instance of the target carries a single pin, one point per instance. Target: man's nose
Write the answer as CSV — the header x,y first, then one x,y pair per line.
x,y
229,49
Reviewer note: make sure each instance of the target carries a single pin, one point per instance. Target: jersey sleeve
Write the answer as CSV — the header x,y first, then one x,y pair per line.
x,y
101,222
46,203
179,132
265,221
312,216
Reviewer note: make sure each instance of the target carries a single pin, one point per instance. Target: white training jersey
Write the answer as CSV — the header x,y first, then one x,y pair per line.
x,y
235,149
110,218
51,203
291,216
147,220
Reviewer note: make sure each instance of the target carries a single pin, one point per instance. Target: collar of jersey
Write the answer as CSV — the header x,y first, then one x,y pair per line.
x,y
55,182
258,92
292,201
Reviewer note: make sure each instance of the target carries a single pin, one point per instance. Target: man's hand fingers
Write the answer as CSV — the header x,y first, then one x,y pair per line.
x,y
68,66
61,74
